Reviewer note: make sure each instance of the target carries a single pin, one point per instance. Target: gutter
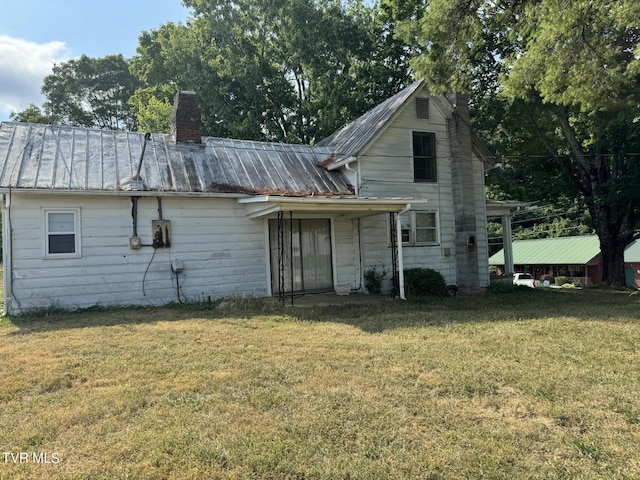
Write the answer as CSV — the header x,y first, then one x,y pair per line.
x,y
120,193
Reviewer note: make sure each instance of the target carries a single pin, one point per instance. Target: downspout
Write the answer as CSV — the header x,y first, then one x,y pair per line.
x,y
7,257
356,189
347,167
399,243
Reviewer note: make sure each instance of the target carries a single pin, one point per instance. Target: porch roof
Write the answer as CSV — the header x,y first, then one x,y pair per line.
x,y
498,208
351,206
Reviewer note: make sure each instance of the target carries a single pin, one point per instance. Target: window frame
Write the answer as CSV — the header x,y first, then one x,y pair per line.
x,y
409,219
47,254
430,161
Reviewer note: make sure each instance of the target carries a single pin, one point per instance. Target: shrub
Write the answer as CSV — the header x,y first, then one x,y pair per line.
x,y
501,286
373,279
424,281
561,280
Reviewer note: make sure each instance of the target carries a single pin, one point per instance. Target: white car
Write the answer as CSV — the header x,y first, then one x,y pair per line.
x,y
525,279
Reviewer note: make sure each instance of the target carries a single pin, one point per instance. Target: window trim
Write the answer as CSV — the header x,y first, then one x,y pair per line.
x,y
413,229
425,158
436,228
76,225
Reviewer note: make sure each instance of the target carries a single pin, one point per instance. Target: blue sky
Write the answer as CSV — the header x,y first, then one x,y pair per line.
x,y
34,34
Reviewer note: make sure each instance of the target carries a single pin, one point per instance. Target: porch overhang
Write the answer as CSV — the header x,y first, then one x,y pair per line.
x,y
353,207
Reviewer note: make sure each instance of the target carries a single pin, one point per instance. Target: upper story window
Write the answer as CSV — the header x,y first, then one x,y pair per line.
x,y
424,157
62,233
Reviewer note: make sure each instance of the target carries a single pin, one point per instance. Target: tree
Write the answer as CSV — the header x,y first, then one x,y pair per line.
x,y
575,67
31,114
279,70
152,108
91,92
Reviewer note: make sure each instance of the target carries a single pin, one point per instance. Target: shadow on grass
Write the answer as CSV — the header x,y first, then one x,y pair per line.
x,y
588,305
373,316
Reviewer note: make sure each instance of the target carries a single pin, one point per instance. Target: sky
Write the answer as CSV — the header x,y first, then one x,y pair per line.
x,y
35,34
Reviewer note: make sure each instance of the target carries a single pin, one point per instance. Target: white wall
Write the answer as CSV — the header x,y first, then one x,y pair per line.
x,y
386,170
223,253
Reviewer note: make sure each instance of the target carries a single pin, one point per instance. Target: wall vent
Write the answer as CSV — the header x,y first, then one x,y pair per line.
x,y
422,108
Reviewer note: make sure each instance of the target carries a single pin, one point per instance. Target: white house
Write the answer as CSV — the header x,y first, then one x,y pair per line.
x,y
97,217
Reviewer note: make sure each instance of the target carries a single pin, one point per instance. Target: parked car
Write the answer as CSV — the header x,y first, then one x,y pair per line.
x,y
525,279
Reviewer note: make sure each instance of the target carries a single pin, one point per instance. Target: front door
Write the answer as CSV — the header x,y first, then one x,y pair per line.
x,y
306,255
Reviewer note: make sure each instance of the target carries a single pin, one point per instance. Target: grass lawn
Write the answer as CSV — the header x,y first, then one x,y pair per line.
x,y
530,384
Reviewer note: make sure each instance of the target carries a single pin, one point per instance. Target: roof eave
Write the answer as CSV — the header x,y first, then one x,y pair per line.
x,y
260,206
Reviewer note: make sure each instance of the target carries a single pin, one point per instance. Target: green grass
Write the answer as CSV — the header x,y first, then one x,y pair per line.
x,y
529,384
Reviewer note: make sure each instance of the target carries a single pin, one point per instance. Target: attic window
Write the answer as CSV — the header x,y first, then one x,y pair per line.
x,y
422,108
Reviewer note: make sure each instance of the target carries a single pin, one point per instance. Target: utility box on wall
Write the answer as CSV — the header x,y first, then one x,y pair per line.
x,y
161,233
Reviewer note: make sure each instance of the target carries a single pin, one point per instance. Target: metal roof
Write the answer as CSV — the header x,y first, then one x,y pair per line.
x,y
632,252
74,159
351,139
552,251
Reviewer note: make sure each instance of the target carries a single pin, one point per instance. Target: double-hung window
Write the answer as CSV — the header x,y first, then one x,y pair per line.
x,y
424,157
419,228
62,232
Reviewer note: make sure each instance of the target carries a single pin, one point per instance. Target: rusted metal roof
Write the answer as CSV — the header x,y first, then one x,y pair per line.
x,y
81,159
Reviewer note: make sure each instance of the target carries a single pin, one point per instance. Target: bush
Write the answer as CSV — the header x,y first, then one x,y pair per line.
x,y
561,280
424,281
501,286
373,279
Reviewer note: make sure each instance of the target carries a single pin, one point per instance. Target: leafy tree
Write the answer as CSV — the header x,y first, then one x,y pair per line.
x,y
152,107
31,114
283,70
570,73
91,92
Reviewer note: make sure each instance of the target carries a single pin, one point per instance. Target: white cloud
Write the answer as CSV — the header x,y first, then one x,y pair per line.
x,y
23,66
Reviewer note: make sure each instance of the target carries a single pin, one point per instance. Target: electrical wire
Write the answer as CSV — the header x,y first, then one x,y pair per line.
x,y
144,294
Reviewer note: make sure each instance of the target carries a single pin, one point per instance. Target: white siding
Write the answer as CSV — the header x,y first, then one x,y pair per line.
x,y
386,169
223,253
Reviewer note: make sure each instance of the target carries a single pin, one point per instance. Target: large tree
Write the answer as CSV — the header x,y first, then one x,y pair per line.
x,y
91,92
284,70
570,70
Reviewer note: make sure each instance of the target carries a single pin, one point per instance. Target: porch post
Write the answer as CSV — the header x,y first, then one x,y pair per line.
x,y
507,245
400,259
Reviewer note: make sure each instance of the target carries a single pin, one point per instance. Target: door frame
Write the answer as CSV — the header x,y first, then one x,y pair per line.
x,y
332,236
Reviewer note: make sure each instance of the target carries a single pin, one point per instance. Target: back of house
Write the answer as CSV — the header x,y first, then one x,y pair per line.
x,y
98,217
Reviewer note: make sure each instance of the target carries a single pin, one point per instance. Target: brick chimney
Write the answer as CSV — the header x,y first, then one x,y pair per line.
x,y
185,121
